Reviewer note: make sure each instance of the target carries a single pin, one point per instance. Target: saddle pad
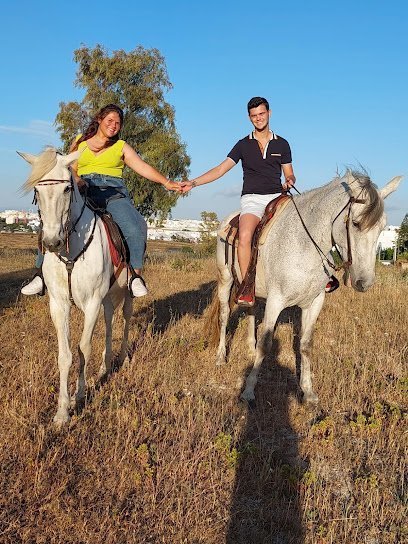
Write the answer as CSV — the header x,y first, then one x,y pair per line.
x,y
115,255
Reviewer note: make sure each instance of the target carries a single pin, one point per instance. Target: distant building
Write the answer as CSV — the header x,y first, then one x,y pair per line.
x,y
388,238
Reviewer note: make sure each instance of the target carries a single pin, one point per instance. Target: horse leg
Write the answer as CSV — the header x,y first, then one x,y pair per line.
x,y
309,317
272,311
108,311
251,338
84,350
127,314
60,317
224,289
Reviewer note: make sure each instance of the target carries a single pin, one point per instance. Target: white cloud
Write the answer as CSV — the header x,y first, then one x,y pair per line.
x,y
230,192
37,127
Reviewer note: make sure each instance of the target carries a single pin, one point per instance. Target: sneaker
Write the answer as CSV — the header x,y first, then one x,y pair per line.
x,y
138,287
332,284
246,300
35,287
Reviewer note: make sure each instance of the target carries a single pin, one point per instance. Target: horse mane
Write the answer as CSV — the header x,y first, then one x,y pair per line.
x,y
44,163
374,208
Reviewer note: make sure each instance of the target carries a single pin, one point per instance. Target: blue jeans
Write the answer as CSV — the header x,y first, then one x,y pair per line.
x,y
110,193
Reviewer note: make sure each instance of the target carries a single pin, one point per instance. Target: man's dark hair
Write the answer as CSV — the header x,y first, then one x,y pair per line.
x,y
257,101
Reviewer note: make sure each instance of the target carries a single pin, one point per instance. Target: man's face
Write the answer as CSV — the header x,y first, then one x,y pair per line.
x,y
259,117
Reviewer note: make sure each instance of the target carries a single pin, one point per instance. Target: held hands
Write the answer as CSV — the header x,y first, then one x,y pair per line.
x,y
173,186
186,186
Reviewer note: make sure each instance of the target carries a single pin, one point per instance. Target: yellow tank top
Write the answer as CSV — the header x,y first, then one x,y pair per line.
x,y
109,162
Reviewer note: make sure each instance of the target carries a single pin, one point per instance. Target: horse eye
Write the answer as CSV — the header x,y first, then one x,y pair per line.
x,y
356,224
67,189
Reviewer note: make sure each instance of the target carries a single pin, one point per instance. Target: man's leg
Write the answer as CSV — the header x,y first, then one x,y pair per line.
x,y
247,225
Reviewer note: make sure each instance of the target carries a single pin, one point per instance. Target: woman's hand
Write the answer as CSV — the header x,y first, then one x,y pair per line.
x,y
173,186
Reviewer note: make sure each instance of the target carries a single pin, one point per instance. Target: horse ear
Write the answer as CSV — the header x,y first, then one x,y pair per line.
x,y
390,187
28,157
68,159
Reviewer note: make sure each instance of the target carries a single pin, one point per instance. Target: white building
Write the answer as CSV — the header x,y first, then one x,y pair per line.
x,y
387,238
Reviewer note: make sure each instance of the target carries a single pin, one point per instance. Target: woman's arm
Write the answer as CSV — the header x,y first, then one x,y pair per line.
x,y
133,161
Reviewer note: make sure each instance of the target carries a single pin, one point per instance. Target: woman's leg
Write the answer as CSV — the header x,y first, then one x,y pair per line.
x,y
134,230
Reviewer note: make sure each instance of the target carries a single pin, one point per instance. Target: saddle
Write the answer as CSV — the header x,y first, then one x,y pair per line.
x,y
230,234
117,245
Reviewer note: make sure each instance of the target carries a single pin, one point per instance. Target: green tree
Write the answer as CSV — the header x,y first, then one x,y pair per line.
x,y
208,231
136,81
402,241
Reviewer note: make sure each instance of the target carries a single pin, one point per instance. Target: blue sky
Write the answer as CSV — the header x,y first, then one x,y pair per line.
x,y
335,74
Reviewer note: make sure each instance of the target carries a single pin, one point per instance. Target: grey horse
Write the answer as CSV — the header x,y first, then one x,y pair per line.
x,y
293,263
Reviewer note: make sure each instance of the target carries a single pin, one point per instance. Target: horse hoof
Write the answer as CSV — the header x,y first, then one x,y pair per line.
x,y
248,399
310,398
60,420
220,360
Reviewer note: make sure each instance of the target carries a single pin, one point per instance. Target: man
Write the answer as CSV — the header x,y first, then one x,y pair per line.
x,y
264,156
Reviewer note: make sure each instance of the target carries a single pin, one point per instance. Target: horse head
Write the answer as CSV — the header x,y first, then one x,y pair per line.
x,y
53,188
357,227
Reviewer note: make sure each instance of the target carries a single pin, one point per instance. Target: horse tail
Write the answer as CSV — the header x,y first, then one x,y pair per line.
x,y
212,324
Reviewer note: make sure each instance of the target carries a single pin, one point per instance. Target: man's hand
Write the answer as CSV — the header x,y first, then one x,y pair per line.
x,y
186,186
289,183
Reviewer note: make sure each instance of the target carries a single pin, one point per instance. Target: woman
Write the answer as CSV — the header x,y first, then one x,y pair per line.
x,y
100,166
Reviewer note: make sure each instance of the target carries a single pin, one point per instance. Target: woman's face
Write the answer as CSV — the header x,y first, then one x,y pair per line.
x,y
110,124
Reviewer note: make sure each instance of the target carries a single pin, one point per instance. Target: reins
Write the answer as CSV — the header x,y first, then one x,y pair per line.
x,y
69,263
345,264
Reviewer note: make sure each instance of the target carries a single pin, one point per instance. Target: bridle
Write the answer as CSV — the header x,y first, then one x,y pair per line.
x,y
345,264
69,263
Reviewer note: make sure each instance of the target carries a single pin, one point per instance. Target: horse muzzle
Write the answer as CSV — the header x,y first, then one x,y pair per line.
x,y
53,244
362,284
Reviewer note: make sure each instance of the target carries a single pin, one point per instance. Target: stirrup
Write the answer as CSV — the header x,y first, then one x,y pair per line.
x,y
133,277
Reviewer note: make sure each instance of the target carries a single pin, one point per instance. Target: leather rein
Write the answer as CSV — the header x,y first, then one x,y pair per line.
x,y
345,264
69,263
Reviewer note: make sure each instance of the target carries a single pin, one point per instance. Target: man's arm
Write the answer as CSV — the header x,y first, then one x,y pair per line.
x,y
290,178
213,174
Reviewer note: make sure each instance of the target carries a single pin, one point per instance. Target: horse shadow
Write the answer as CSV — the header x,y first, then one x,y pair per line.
x,y
291,316
265,505
10,285
161,313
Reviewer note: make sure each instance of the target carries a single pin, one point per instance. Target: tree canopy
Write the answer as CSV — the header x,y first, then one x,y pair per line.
x,y
137,82
403,235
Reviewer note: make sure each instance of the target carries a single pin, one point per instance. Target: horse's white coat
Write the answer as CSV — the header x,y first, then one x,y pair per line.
x,y
293,271
90,276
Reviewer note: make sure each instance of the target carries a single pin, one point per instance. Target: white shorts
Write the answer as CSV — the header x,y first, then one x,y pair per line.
x,y
256,204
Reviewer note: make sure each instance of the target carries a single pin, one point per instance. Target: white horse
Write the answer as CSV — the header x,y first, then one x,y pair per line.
x,y
77,267
293,263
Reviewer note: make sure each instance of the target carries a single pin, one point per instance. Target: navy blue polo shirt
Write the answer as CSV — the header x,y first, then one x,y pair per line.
x,y
262,172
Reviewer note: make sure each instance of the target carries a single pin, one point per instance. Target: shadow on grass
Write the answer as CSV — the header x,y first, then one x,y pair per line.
x,y
10,285
170,309
265,506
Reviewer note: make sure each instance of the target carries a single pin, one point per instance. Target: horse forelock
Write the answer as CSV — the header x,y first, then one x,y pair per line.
x,y
373,209
44,163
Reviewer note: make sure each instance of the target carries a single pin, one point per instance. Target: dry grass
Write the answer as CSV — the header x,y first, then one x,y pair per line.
x,y
164,453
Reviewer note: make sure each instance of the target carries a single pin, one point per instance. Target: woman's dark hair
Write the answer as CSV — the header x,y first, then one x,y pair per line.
x,y
92,128
257,101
